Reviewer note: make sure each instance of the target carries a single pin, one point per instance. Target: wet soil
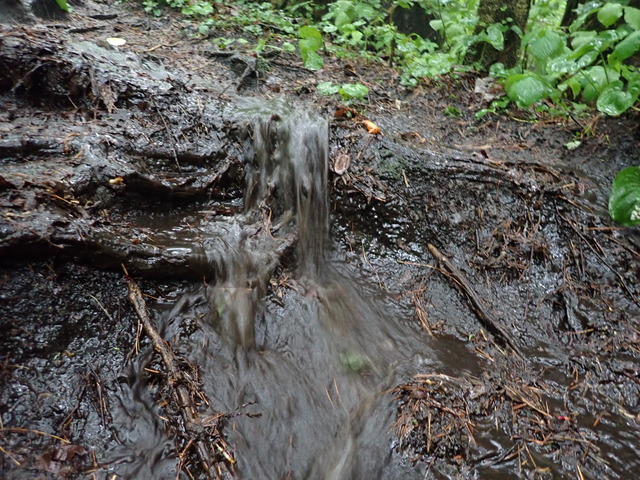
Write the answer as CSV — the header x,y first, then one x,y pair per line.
x,y
140,156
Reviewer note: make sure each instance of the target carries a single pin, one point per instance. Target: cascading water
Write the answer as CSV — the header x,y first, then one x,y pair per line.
x,y
312,364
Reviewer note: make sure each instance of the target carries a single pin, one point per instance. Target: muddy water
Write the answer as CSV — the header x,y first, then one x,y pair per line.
x,y
311,355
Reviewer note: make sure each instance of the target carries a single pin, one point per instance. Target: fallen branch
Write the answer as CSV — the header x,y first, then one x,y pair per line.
x,y
462,284
183,390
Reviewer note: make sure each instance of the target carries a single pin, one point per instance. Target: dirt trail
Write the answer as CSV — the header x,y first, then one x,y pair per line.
x,y
137,155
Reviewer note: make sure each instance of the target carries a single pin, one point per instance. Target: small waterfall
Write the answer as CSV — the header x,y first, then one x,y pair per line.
x,y
286,183
291,149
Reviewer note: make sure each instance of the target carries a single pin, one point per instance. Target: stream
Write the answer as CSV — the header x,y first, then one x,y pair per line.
x,y
313,363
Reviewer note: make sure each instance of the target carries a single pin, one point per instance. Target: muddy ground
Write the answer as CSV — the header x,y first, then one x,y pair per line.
x,y
132,155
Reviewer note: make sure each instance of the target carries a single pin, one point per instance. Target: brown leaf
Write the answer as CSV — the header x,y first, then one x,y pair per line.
x,y
371,127
5,183
341,163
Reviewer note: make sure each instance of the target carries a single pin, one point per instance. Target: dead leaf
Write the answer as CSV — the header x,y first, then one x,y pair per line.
x,y
371,127
341,163
488,89
5,183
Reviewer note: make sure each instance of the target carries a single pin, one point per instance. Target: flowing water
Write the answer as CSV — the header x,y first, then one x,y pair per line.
x,y
313,363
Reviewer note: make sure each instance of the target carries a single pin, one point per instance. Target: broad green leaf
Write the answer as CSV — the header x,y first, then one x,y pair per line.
x,y
574,84
356,36
632,17
613,100
581,38
633,84
546,45
311,60
609,13
495,37
310,42
628,46
526,89
342,19
312,36
327,88
595,79
353,90
624,202
562,64
587,59
437,25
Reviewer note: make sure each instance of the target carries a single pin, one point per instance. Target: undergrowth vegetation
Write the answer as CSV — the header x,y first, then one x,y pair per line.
x,y
592,63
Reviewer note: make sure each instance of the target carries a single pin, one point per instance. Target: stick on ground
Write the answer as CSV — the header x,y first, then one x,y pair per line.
x,y
183,390
484,315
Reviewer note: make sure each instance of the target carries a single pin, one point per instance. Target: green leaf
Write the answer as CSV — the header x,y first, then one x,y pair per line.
x,y
526,89
327,88
495,37
613,100
437,25
609,14
64,6
350,91
628,46
546,45
632,17
311,60
624,202
595,79
310,42
311,36
574,84
342,19
633,83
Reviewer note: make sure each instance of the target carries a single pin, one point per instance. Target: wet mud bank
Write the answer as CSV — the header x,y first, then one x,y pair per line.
x,y
327,303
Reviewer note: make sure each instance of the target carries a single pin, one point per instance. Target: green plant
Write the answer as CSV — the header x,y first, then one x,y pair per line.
x,y
310,42
348,91
588,65
451,111
624,202
63,5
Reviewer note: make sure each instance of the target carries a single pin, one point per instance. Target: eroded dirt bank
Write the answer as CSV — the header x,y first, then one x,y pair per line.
x,y
517,356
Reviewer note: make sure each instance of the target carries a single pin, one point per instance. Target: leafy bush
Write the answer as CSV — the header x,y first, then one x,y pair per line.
x,y
591,63
348,91
583,65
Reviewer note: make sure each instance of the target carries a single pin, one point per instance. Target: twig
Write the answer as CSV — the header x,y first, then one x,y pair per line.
x,y
11,457
102,307
38,432
623,284
485,317
181,384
